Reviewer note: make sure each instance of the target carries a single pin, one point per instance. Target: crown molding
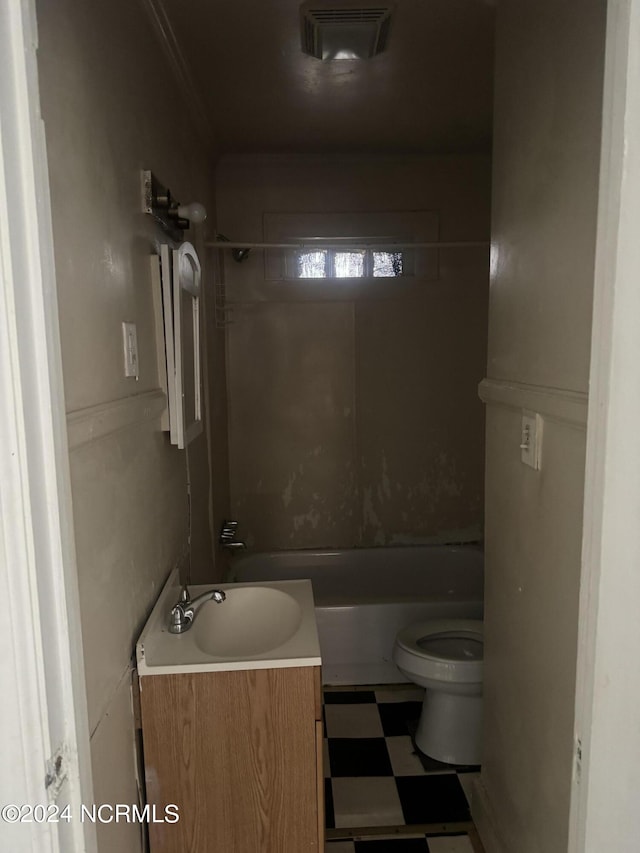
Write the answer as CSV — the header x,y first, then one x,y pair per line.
x,y
157,13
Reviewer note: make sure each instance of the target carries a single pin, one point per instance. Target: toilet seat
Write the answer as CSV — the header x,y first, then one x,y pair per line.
x,y
442,649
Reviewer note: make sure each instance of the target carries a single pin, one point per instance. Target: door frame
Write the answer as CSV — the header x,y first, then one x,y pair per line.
x,y
44,710
42,666
606,777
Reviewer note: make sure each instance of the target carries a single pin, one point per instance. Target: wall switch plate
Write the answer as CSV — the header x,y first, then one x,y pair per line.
x,y
130,341
531,440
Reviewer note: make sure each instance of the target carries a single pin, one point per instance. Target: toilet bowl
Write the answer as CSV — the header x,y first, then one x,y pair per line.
x,y
445,657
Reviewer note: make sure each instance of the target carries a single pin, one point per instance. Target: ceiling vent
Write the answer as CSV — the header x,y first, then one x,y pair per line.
x,y
344,30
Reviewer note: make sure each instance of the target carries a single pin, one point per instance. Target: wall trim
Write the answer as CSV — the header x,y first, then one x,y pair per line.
x,y
555,404
95,422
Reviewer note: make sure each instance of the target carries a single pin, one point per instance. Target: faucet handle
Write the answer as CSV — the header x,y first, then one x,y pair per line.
x,y
228,531
184,595
179,620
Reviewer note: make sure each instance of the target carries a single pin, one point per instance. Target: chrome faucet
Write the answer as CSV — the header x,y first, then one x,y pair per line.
x,y
228,536
184,612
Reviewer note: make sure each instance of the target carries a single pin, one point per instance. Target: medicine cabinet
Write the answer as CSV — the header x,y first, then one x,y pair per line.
x,y
176,277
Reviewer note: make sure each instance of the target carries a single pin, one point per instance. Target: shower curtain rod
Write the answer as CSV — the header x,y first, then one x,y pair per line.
x,y
317,243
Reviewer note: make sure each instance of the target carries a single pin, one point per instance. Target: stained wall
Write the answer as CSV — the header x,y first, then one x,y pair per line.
x,y
548,115
353,410
111,107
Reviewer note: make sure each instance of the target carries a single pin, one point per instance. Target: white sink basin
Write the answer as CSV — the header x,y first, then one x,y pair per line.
x,y
252,620
258,626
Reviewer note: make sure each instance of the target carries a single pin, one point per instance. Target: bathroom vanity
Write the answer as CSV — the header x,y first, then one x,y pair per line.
x,y
231,725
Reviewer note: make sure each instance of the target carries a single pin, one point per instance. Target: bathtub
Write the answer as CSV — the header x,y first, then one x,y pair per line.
x,y
364,596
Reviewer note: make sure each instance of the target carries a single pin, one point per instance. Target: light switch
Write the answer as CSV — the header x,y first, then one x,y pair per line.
x,y
130,340
531,440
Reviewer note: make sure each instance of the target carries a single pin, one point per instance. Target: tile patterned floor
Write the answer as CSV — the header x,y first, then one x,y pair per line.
x,y
381,794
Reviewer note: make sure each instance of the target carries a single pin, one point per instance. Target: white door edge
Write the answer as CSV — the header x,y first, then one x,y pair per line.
x,y
43,712
606,777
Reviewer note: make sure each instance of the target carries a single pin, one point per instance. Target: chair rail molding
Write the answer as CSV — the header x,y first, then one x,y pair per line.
x,y
95,422
556,404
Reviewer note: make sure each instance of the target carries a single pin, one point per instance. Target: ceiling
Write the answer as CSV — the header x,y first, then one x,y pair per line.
x,y
430,91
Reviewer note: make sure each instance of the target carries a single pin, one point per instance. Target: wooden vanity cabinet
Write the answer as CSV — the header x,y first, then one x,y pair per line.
x,y
240,754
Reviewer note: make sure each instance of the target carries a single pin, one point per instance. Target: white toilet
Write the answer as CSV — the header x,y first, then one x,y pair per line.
x,y
445,656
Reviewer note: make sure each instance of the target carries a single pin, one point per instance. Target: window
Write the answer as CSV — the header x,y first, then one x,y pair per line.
x,y
331,263
348,250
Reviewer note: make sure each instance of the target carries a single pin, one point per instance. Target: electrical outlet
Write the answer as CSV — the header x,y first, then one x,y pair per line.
x,y
531,440
130,341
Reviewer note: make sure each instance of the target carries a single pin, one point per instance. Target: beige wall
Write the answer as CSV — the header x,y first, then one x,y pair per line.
x,y
546,163
111,108
354,417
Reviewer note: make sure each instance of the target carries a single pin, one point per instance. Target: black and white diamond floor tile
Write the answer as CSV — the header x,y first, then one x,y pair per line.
x,y
377,778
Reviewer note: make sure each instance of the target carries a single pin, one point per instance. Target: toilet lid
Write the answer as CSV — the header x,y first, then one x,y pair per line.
x,y
453,645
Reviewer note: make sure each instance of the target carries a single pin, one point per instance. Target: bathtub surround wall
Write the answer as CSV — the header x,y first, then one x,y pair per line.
x,y
545,192
111,107
354,418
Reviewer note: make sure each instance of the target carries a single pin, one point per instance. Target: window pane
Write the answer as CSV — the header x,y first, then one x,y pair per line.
x,y
387,264
349,264
312,265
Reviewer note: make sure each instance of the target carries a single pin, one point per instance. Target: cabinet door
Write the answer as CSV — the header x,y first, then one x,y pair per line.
x,y
236,752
